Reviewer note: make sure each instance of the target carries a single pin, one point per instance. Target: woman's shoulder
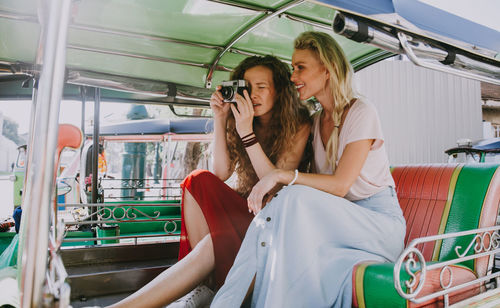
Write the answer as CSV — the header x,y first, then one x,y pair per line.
x,y
362,104
362,107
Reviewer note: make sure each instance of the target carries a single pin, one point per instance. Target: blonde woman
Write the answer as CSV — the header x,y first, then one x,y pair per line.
x,y
265,129
300,249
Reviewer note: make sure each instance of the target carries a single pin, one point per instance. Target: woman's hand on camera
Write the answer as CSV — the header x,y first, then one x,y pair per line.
x,y
217,104
243,114
256,197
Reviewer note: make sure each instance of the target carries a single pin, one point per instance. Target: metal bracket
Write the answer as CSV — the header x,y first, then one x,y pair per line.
x,y
442,68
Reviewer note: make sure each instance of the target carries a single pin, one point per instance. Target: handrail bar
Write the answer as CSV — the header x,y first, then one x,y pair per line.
x,y
120,204
484,243
446,69
105,238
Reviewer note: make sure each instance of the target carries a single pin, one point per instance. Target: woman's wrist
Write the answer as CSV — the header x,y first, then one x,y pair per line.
x,y
249,139
285,176
295,176
245,133
221,118
246,136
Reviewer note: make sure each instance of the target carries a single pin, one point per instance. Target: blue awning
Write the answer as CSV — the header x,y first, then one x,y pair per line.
x,y
487,144
157,127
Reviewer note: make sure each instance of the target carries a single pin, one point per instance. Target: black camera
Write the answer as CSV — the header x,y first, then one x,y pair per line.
x,y
231,87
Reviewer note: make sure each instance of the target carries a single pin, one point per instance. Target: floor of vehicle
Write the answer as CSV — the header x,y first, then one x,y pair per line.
x,y
99,301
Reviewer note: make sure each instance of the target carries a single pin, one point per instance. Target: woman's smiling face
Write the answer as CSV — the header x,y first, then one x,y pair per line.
x,y
309,75
263,94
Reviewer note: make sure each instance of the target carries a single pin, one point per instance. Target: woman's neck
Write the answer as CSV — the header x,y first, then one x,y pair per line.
x,y
264,120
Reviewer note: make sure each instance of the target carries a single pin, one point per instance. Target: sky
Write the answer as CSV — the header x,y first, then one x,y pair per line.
x,y
484,12
70,112
20,112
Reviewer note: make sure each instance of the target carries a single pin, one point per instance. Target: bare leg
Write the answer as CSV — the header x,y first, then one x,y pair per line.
x,y
196,225
186,274
176,281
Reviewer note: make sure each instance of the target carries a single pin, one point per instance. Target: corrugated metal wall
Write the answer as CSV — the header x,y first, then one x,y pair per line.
x,y
423,112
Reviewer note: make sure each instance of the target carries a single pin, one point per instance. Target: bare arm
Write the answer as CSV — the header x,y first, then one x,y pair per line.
x,y
350,164
220,164
348,169
287,161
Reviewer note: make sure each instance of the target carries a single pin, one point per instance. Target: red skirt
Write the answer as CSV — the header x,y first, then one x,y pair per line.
x,y
227,216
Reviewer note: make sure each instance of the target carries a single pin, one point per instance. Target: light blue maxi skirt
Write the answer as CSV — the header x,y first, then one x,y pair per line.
x,y
303,245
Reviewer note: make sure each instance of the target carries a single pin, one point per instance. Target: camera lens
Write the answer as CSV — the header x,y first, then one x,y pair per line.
x,y
227,93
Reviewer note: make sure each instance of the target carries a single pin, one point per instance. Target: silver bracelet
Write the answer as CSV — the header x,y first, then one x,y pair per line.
x,y
294,178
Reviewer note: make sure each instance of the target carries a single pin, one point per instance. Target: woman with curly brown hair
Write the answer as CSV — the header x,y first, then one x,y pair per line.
x,y
265,129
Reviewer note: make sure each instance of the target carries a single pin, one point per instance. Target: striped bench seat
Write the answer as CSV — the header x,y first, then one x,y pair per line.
x,y
436,200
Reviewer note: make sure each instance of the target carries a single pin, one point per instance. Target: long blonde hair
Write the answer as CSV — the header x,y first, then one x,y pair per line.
x,y
288,114
333,58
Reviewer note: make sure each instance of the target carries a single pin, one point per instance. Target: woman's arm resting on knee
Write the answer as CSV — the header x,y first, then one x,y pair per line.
x,y
288,161
350,164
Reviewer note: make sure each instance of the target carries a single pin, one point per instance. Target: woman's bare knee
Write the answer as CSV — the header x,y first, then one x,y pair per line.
x,y
196,225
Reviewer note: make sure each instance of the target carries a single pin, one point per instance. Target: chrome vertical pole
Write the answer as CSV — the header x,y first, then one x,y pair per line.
x,y
95,146
83,101
41,176
42,18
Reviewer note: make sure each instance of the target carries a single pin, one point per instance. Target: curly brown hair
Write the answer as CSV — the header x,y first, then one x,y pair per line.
x,y
288,115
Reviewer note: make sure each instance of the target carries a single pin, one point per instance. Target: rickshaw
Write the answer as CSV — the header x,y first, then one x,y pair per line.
x,y
480,151
175,53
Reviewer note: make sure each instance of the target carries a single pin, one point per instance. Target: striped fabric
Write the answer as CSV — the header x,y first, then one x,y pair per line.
x,y
435,199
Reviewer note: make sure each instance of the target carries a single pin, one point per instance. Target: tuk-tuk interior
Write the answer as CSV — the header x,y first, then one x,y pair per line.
x,y
174,53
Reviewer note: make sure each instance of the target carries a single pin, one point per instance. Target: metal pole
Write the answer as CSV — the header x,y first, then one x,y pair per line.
x,y
43,17
95,144
41,176
83,97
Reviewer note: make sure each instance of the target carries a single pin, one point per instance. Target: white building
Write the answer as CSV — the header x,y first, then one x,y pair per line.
x,y
423,112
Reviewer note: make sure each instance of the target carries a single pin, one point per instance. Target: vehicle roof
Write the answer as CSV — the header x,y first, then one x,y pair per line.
x,y
176,52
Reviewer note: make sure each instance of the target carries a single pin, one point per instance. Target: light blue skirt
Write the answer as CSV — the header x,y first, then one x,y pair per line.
x,y
302,247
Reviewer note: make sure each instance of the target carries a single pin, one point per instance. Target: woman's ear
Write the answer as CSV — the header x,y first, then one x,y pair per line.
x,y
327,72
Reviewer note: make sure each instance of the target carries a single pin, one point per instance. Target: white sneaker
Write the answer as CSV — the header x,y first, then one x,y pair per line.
x,y
201,296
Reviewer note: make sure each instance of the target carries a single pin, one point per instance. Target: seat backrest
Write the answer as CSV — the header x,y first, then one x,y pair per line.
x,y
444,198
69,136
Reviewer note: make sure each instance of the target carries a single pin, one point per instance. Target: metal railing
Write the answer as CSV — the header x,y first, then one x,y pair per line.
x,y
109,215
142,189
485,243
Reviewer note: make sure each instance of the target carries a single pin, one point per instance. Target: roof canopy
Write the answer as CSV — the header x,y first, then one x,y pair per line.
x,y
178,51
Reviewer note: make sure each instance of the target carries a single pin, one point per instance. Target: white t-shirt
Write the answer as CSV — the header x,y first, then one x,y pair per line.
x,y
361,122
